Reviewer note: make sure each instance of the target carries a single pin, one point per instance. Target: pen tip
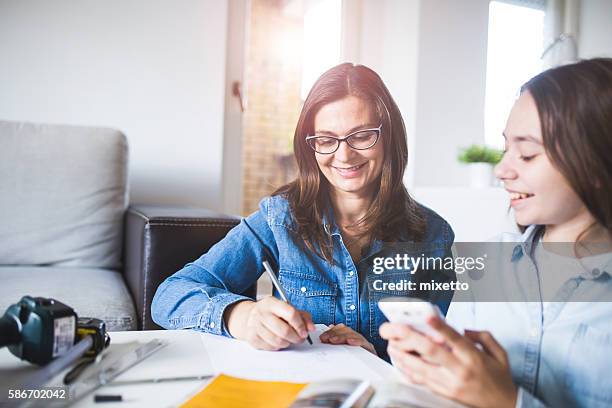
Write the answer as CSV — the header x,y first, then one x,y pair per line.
x,y
309,339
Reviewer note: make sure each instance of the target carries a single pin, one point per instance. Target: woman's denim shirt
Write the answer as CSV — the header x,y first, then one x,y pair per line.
x,y
560,349
197,295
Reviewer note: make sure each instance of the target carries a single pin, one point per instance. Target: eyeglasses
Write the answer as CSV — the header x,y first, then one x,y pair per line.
x,y
359,140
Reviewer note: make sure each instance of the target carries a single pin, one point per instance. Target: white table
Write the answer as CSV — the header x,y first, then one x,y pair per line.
x,y
190,353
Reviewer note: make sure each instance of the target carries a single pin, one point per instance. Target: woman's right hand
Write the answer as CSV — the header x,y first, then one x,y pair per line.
x,y
268,324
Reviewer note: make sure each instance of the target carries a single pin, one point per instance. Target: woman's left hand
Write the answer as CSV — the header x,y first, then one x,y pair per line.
x,y
341,334
455,368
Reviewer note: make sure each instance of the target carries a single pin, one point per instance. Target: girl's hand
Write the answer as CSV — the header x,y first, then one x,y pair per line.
x,y
268,324
455,368
341,334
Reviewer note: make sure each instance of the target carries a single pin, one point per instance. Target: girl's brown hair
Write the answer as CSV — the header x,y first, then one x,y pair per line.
x,y
393,211
574,103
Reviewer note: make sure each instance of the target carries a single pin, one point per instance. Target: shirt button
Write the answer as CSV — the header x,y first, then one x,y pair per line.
x,y
352,307
303,289
212,325
351,273
534,331
596,272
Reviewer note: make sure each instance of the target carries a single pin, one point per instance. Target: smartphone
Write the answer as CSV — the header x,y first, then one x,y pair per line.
x,y
412,312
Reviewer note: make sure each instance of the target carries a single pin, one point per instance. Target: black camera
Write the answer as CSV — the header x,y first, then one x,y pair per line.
x,y
40,329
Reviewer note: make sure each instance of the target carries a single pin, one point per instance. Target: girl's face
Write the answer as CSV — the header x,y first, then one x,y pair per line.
x,y
538,192
349,170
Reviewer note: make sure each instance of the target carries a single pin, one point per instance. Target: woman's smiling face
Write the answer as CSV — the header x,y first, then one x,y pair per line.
x,y
349,170
538,192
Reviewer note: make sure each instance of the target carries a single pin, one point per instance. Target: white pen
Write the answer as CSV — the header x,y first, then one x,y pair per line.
x,y
279,288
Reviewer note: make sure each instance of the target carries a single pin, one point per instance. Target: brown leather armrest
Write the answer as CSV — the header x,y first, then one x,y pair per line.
x,y
160,240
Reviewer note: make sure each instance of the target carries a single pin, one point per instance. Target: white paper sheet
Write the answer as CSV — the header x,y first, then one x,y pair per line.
x,y
299,363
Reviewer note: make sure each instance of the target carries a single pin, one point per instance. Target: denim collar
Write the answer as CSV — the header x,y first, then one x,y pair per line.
x,y
331,228
329,220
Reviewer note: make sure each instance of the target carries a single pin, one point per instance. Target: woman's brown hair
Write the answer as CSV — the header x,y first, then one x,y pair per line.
x,y
393,211
574,103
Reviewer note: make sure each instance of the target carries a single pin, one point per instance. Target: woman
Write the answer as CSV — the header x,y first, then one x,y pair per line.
x,y
322,230
553,348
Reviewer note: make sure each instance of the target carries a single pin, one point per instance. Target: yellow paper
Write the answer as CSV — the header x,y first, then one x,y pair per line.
x,y
231,392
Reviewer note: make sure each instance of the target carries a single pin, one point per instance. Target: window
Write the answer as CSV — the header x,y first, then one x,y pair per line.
x,y
515,45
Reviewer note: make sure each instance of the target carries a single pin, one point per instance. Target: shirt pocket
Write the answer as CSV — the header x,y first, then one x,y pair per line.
x,y
587,371
311,293
380,286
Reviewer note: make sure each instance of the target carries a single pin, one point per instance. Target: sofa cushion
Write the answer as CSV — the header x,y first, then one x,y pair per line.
x,y
91,292
62,195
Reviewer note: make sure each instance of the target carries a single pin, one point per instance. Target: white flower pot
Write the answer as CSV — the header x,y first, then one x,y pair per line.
x,y
481,175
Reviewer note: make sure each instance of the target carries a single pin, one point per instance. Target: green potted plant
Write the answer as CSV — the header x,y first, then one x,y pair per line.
x,y
480,160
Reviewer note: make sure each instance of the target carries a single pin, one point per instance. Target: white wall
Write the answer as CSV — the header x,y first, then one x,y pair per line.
x,y
451,87
595,30
154,69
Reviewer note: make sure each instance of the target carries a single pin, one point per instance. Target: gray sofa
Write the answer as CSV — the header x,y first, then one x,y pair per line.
x,y
67,231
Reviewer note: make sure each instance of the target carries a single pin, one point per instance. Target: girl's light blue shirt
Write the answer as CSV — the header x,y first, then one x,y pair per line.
x,y
560,351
